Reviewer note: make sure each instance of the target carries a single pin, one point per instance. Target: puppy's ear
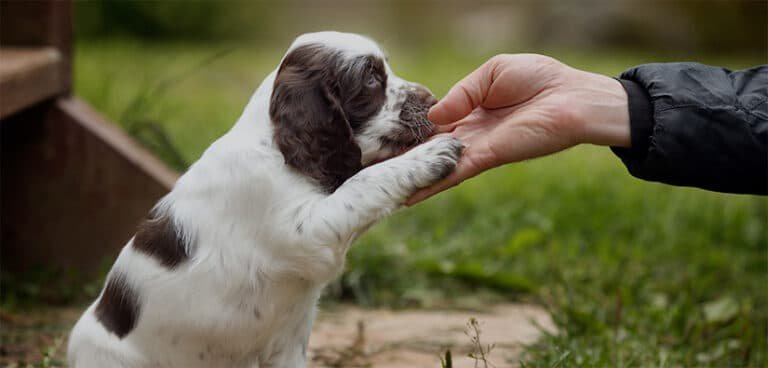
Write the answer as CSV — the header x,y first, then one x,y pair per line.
x,y
311,129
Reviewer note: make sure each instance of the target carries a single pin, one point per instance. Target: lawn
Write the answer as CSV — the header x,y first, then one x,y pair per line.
x,y
634,273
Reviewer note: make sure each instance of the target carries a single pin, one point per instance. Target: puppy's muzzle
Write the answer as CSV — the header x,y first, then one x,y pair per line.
x,y
416,128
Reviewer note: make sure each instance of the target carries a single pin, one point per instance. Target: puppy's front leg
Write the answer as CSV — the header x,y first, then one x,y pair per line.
x,y
380,189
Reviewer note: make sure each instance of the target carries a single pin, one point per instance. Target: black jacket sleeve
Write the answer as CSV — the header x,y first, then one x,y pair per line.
x,y
698,125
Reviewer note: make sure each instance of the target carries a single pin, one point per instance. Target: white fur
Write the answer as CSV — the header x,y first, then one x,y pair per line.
x,y
263,241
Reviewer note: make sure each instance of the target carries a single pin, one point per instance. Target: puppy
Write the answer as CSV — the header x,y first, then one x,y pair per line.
x,y
228,267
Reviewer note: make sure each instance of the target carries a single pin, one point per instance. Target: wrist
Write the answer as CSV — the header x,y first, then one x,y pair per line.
x,y
604,115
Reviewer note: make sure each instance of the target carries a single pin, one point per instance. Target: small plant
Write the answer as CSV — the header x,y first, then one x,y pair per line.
x,y
446,361
51,353
151,133
479,352
355,355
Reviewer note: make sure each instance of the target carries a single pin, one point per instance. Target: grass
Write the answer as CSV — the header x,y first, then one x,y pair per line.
x,y
634,273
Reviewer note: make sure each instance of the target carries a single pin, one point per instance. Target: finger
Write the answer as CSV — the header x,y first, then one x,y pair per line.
x,y
463,97
447,128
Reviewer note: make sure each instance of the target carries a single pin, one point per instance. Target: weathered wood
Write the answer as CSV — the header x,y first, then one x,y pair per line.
x,y
41,23
74,187
28,76
119,141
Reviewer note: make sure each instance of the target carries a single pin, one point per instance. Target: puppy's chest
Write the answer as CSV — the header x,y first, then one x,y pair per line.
x,y
221,335
260,309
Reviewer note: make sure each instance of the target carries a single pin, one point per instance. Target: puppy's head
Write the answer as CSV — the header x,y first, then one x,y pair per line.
x,y
336,106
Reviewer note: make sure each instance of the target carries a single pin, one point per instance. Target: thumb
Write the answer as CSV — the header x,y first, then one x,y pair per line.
x,y
463,97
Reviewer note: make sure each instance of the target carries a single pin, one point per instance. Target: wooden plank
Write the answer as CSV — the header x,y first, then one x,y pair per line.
x,y
74,188
118,140
40,23
28,76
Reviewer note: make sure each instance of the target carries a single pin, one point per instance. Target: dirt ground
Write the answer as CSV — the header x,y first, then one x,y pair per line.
x,y
344,336
354,337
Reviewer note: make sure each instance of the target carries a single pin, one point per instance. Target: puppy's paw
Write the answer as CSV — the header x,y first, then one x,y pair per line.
x,y
436,158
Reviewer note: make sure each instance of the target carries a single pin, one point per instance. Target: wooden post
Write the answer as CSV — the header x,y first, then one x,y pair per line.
x,y
73,185
38,24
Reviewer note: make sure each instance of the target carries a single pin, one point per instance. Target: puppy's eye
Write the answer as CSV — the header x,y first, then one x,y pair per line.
x,y
373,81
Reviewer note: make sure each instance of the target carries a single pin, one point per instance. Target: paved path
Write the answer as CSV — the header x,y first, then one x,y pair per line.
x,y
354,337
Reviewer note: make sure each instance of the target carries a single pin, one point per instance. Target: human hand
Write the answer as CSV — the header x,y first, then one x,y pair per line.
x,y
521,106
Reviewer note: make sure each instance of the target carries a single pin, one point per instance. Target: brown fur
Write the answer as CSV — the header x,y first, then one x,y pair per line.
x,y
158,237
317,100
118,307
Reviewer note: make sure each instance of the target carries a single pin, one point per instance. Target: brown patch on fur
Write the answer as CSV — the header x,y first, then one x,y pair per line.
x,y
363,85
317,100
415,128
118,307
158,238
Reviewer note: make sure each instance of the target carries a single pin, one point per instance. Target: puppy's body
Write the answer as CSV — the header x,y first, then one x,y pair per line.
x,y
227,270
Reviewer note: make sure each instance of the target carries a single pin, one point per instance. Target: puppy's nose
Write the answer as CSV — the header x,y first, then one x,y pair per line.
x,y
424,96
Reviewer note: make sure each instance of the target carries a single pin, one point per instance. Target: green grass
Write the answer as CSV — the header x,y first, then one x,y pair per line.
x,y
635,273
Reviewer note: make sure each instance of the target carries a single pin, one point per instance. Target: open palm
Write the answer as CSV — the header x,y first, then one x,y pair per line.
x,y
517,107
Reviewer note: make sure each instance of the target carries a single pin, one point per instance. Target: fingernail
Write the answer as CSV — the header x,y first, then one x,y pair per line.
x,y
431,112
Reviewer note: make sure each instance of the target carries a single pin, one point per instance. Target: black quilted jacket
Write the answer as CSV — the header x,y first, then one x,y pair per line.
x,y
698,125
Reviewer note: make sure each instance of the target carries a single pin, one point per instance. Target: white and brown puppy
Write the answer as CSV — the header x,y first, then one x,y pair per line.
x,y
228,268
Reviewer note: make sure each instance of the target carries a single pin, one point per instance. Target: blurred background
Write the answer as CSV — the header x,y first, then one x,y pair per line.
x,y
220,51
633,273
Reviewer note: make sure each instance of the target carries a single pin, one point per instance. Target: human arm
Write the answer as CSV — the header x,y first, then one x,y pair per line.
x,y
698,125
517,107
